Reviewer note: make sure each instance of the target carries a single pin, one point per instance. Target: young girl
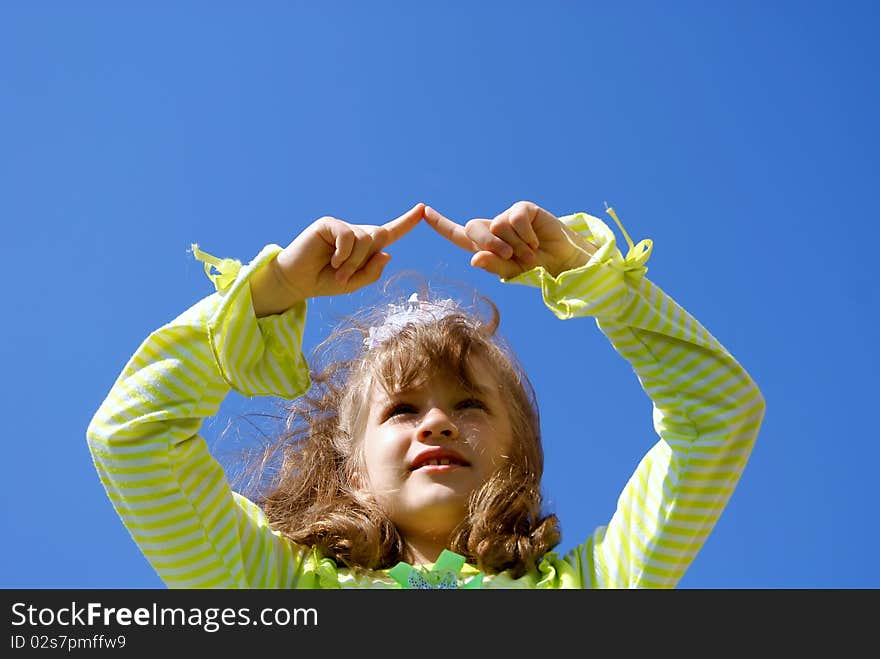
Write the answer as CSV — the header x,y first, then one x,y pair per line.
x,y
416,462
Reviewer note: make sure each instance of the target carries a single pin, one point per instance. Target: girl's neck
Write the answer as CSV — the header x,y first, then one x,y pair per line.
x,y
423,551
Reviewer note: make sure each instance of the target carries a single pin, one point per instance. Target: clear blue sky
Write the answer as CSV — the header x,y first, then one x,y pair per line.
x,y
742,139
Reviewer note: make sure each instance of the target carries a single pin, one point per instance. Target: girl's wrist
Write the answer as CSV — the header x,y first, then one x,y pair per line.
x,y
580,257
270,295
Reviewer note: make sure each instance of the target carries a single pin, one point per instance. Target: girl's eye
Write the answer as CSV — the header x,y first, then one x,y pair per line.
x,y
472,403
400,408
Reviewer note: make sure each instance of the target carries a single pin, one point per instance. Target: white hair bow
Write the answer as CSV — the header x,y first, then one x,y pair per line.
x,y
412,311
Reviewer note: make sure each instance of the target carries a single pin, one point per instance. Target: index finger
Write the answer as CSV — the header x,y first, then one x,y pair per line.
x,y
400,226
452,231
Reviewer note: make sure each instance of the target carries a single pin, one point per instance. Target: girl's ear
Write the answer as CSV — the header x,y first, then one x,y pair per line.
x,y
357,479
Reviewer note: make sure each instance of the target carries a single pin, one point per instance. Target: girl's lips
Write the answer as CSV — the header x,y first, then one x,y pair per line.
x,y
438,460
439,467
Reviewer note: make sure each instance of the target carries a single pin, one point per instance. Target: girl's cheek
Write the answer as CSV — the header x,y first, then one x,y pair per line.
x,y
397,441
477,435
481,425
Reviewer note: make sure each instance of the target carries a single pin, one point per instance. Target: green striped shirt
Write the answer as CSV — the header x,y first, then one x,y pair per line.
x,y
175,501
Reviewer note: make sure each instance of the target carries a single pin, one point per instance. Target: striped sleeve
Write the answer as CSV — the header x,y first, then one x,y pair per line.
x,y
171,494
707,413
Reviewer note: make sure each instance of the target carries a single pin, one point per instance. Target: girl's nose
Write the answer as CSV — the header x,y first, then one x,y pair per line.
x,y
436,424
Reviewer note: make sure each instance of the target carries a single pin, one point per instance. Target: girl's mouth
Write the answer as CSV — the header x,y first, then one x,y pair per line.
x,y
438,461
439,465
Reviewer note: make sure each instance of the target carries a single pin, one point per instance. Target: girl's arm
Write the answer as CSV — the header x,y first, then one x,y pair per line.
x,y
707,410
171,494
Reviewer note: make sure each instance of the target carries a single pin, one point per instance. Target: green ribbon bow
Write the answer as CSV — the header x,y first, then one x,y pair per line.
x,y
227,269
637,256
444,574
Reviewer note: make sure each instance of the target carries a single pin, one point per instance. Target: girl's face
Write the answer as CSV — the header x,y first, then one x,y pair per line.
x,y
426,449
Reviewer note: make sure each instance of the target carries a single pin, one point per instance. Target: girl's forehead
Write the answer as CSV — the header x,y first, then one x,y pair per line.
x,y
482,381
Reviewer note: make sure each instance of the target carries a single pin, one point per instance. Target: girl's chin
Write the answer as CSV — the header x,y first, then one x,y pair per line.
x,y
439,502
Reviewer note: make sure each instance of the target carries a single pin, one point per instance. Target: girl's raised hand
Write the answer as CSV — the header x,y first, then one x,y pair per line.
x,y
330,257
521,238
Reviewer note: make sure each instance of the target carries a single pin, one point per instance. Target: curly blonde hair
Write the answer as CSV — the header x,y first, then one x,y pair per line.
x,y
313,498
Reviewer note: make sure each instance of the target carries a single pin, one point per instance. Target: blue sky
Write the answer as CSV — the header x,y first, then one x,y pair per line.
x,y
741,138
